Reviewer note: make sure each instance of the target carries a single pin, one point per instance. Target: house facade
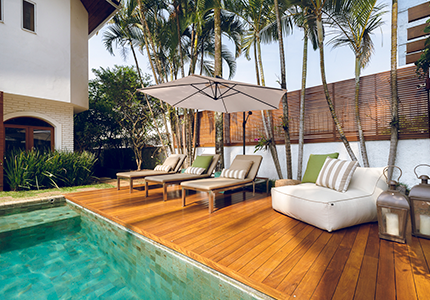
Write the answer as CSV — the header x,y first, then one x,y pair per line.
x,y
44,67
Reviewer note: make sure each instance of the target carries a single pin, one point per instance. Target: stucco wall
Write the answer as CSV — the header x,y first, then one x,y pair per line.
x,y
39,64
410,154
59,115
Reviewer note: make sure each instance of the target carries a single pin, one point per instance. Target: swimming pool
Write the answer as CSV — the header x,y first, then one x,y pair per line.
x,y
79,254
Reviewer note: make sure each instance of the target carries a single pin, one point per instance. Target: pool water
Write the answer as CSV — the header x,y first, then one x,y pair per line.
x,y
68,266
68,252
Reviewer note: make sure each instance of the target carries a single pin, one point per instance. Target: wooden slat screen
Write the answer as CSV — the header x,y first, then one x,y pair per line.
x,y
375,114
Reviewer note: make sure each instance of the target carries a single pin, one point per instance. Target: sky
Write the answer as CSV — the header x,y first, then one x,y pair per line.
x,y
339,62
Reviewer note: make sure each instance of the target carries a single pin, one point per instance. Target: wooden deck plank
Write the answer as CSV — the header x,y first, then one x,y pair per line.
x,y
385,283
366,286
330,279
284,258
307,285
405,285
420,270
351,271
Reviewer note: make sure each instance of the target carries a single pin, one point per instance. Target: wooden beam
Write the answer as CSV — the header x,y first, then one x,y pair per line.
x,y
416,31
419,12
415,46
411,58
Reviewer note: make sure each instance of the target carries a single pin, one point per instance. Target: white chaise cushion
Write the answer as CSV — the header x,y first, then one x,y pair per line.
x,y
331,210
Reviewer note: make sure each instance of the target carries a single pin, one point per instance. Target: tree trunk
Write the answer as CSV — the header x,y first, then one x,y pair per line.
x,y
327,94
219,118
147,102
357,113
268,121
302,106
178,30
285,116
394,95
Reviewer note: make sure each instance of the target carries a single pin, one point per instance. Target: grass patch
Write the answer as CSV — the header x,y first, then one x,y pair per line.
x,y
59,191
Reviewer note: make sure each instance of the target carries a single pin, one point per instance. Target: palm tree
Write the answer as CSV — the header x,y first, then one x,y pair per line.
x,y
257,15
123,32
354,29
394,124
285,117
321,10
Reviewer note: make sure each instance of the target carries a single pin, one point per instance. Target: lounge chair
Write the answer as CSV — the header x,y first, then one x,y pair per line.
x,y
172,164
219,184
170,179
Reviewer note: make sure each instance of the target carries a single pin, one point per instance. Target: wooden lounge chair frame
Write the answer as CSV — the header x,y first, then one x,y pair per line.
x,y
144,173
230,184
171,179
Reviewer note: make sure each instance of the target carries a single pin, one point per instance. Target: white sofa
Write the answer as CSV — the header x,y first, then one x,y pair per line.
x,y
331,210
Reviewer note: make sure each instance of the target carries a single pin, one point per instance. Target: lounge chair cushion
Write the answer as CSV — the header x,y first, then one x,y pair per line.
x,y
202,162
194,170
171,161
336,174
315,163
239,169
163,168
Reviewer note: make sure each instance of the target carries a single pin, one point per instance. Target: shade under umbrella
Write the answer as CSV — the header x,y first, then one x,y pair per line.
x,y
216,94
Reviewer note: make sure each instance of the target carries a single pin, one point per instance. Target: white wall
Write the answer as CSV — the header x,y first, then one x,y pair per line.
x,y
410,154
39,64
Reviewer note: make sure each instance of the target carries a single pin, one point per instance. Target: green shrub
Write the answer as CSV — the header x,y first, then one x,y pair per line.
x,y
37,170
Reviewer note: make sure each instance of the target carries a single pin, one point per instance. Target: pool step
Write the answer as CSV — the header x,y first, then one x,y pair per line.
x,y
27,229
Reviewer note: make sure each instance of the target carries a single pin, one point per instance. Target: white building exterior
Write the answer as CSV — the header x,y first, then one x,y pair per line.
x,y
44,69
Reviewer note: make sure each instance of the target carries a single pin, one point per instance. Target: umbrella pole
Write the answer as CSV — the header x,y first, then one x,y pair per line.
x,y
244,129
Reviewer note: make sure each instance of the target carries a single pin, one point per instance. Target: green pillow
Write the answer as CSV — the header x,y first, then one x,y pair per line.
x,y
202,161
315,163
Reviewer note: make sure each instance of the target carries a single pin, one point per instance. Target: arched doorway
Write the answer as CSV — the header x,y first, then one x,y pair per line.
x,y
28,133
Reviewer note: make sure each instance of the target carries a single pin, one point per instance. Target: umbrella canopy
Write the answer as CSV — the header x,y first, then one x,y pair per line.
x,y
216,94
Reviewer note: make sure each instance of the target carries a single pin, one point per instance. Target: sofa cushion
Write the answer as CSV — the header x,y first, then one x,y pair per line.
x,y
165,168
238,169
315,163
336,174
202,162
194,170
171,161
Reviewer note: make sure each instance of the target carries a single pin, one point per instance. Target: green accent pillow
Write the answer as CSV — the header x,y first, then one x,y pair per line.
x,y
203,161
315,164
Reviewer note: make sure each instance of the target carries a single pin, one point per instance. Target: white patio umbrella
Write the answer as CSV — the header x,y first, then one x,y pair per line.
x,y
216,94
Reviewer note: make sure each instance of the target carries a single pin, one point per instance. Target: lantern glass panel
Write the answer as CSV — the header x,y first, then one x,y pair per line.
x,y
393,220
422,216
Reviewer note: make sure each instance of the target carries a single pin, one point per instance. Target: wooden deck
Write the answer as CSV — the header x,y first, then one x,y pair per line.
x,y
277,255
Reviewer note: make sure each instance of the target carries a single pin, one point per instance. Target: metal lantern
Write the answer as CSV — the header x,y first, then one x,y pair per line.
x,y
393,212
420,206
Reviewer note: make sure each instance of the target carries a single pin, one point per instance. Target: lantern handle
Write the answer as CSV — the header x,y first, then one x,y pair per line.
x,y
386,169
420,165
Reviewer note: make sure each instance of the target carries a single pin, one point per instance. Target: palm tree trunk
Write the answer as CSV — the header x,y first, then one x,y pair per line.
x,y
394,95
285,117
178,30
267,121
327,94
302,106
257,71
357,113
219,118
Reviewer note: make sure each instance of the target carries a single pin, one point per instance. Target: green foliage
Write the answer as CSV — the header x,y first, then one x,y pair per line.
x,y
35,169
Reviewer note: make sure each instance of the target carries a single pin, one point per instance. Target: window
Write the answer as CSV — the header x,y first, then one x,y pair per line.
x,y
28,133
28,16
